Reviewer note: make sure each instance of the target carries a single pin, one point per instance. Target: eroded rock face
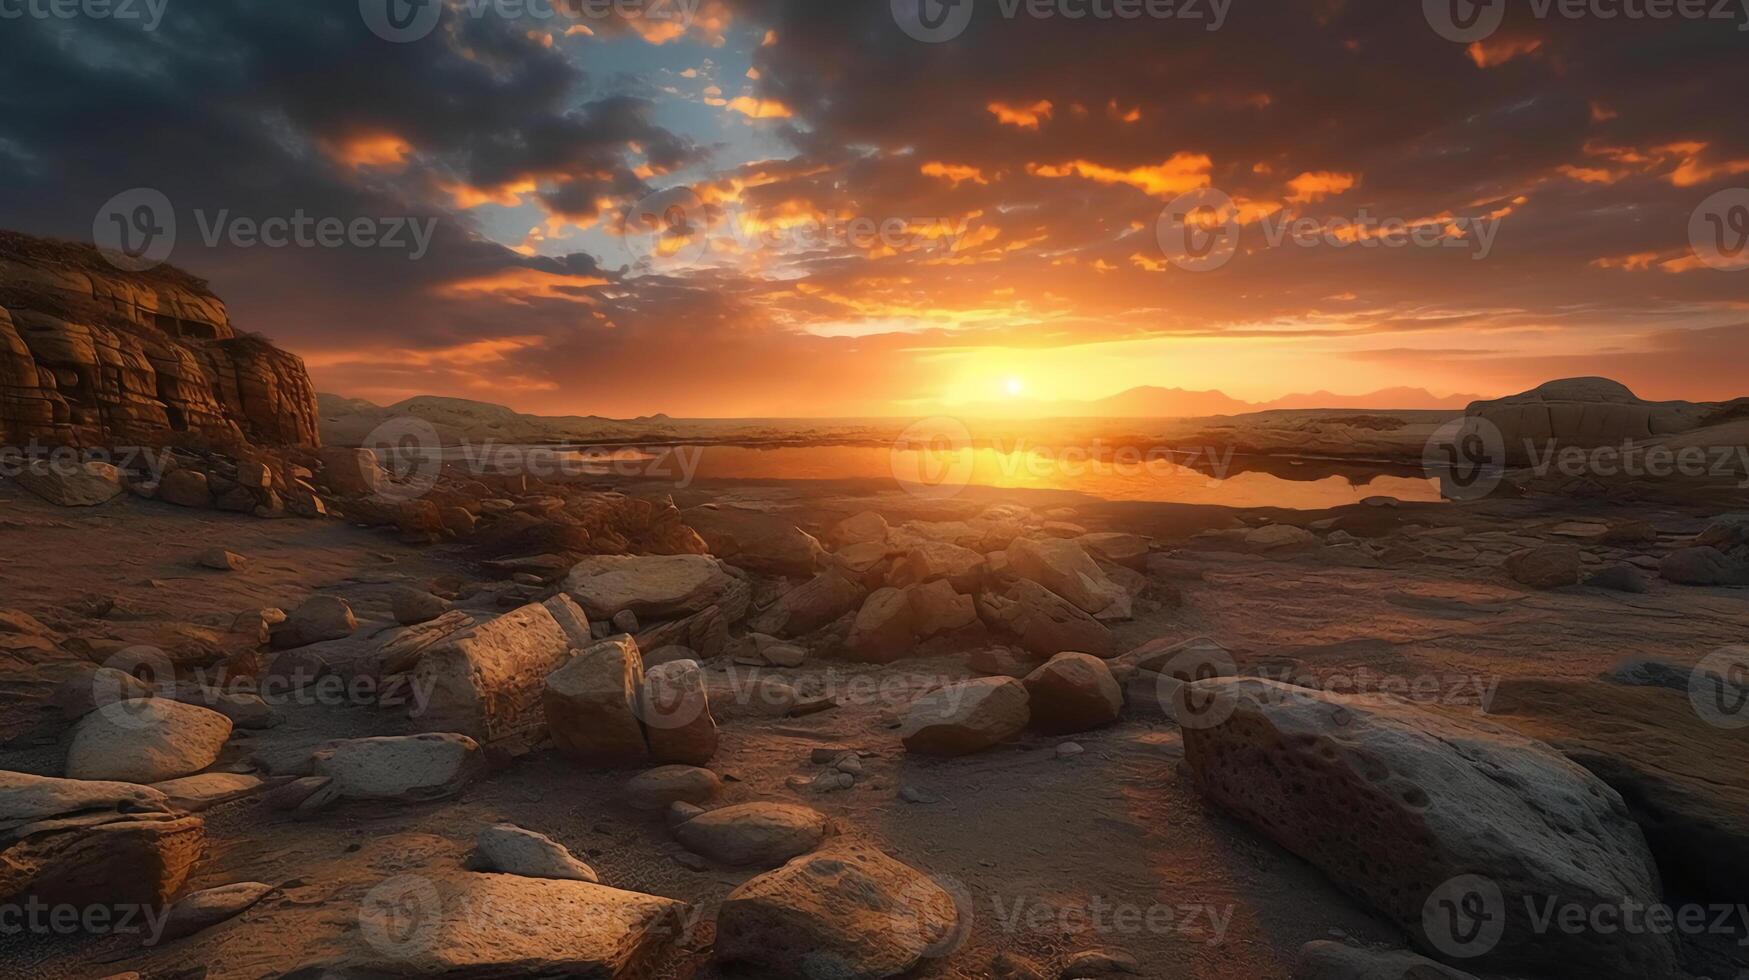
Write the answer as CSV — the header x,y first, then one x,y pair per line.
x,y
1397,804
79,842
91,355
847,911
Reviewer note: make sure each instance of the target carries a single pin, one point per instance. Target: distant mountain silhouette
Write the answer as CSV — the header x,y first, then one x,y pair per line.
x,y
1154,402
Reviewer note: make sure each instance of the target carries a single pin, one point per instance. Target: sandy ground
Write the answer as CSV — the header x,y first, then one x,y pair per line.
x,y
1111,847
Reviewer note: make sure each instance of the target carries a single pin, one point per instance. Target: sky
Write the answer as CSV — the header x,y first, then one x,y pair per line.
x,y
733,208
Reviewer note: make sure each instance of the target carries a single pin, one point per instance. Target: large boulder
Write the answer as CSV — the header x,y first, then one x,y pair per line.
x,y
809,606
72,484
967,717
862,528
937,609
1073,692
1418,814
848,911
656,587
881,632
401,769
592,704
754,541
762,835
1064,567
1045,623
1681,775
84,843
676,713
146,740
486,683
933,561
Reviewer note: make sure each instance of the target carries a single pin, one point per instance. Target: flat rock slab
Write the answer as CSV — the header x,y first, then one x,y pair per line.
x,y
193,794
82,842
761,835
404,768
1682,777
655,587
442,923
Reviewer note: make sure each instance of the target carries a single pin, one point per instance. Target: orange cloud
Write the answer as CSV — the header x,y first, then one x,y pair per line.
x,y
522,285
1498,51
1183,172
385,150
1024,117
1588,175
1315,185
466,196
760,108
956,172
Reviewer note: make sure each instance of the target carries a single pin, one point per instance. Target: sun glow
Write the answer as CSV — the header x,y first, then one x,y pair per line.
x,y
1014,387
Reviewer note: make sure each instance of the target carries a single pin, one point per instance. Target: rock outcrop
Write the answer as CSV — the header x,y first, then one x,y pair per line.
x,y
79,842
1427,817
94,356
1583,412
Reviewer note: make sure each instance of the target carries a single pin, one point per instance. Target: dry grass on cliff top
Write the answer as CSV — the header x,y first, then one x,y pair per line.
x,y
85,257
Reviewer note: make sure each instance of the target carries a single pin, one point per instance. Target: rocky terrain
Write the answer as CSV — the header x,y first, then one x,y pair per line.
x,y
518,727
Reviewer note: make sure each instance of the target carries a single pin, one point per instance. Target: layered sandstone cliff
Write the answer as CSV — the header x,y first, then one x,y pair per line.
x,y
91,355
